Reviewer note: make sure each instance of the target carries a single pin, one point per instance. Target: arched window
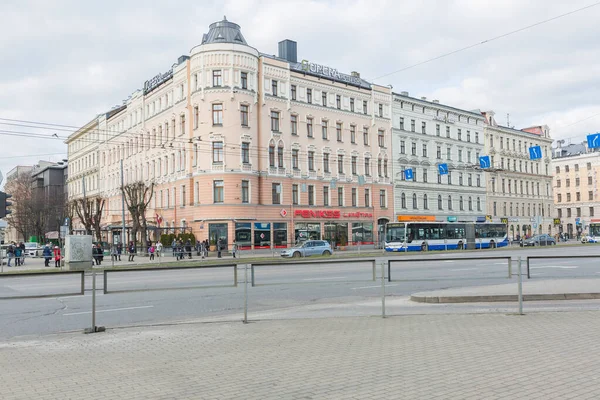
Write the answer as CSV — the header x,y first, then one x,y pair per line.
x,y
271,154
460,203
449,202
403,199
470,204
414,202
440,205
425,205
280,155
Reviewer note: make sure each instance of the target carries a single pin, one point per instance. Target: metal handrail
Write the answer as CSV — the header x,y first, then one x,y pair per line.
x,y
404,260
29,274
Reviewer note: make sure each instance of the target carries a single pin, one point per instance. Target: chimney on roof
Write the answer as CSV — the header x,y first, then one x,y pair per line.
x,y
288,50
436,101
355,74
404,94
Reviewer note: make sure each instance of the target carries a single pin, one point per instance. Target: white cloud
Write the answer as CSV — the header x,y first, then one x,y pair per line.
x,y
65,61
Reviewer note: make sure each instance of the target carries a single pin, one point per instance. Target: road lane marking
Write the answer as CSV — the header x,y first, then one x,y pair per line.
x,y
322,279
114,309
556,267
464,269
376,286
448,261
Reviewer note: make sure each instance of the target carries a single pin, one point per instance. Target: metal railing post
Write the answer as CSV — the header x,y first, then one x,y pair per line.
x,y
528,273
82,283
94,300
520,288
246,293
389,270
235,276
104,283
509,267
374,270
383,289
252,273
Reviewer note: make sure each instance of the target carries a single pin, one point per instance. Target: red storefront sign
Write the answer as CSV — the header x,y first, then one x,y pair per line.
x,y
330,214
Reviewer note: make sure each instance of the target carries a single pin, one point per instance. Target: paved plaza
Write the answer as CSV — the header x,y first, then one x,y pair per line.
x,y
493,356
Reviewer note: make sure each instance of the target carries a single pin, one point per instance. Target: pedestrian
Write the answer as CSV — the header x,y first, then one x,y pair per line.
x,y
234,248
188,248
131,249
56,257
113,252
202,249
151,250
219,245
119,250
22,247
174,247
159,248
98,254
10,253
197,248
47,253
18,253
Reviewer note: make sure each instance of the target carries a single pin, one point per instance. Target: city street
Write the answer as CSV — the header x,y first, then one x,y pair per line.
x,y
281,291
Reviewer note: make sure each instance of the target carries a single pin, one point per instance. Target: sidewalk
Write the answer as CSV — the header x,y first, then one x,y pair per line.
x,y
416,357
552,289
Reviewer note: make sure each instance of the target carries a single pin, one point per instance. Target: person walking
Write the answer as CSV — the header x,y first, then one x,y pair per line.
x,y
56,256
98,254
159,248
151,250
219,247
10,253
174,247
131,250
234,248
22,247
47,253
202,249
119,250
113,252
188,248
18,253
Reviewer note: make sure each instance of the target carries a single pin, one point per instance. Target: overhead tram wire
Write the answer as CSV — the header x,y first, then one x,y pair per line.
x,y
487,41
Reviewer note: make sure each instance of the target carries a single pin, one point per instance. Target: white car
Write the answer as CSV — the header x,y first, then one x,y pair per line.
x,y
32,249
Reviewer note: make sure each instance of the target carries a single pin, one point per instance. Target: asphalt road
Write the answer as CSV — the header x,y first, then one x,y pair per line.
x,y
341,288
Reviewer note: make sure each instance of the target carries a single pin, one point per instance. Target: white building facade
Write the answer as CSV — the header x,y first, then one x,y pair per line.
x,y
519,189
425,135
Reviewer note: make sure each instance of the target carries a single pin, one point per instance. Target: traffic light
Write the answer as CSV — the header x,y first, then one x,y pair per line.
x,y
4,204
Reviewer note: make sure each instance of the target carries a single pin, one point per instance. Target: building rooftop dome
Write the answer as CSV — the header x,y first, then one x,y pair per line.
x,y
224,32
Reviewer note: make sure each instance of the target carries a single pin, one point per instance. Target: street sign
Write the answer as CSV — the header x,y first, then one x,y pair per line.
x,y
408,174
504,221
556,221
593,140
535,152
443,169
484,162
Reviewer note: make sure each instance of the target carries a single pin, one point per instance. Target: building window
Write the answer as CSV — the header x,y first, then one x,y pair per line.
x,y
293,91
340,160
412,125
402,123
326,196
309,96
425,202
424,150
217,191
294,124
326,162
566,168
424,128
244,80
295,158
414,148
559,198
311,195
578,196
469,136
439,152
449,202
448,153
591,211
351,104
567,182
196,119
246,153
425,175
324,129
353,134
274,87
340,196
309,127
459,134
578,210
275,121
568,197
324,99
183,195
217,78
590,195
311,160
440,203
353,164
367,166
365,108
382,199
280,156
381,138
245,191
354,200
244,114
366,136
379,165
217,110
385,167
276,193
338,101
403,201
477,139
295,194
402,147
271,155
217,152
367,198
448,132
576,181
415,206
338,130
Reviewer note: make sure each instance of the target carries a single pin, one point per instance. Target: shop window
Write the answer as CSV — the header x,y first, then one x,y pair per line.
x,y
362,233
280,235
304,232
243,235
262,235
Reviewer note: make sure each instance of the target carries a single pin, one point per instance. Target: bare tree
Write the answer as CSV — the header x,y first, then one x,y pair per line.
x,y
20,217
137,197
89,211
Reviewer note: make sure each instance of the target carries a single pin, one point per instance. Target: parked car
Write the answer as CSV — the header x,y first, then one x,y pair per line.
x,y
32,249
539,240
309,248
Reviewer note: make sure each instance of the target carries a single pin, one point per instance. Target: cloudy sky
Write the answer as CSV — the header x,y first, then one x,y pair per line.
x,y
63,62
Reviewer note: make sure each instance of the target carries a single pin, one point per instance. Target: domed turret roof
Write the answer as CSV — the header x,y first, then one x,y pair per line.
x,y
224,32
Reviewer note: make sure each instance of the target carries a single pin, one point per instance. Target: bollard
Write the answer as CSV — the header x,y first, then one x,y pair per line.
x,y
510,268
382,289
94,328
246,293
520,288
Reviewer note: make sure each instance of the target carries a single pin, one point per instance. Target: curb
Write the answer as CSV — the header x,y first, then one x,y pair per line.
x,y
503,298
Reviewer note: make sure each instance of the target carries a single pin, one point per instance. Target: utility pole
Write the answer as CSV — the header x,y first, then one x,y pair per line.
x,y
122,205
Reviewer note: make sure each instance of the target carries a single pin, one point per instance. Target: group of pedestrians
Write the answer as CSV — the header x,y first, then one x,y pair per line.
x,y
16,252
